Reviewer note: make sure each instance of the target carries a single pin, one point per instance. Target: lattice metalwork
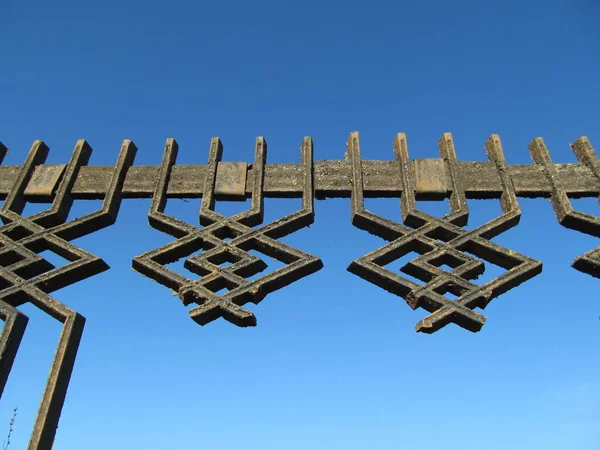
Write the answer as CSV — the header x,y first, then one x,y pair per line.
x,y
243,237
25,276
219,250
440,241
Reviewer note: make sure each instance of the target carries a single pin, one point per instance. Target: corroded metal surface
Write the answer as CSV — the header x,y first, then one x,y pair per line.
x,y
243,237
381,179
230,247
26,277
440,241
44,181
230,180
430,177
567,216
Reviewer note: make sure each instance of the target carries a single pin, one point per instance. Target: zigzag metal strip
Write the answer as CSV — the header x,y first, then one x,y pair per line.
x,y
238,228
27,277
440,241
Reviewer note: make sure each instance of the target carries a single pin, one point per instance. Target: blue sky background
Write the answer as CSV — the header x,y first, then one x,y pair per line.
x,y
334,361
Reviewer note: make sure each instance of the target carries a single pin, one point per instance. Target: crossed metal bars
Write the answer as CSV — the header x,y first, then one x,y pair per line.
x,y
25,276
243,238
440,241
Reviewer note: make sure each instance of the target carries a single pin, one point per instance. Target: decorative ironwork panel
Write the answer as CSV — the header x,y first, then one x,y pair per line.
x,y
219,250
25,276
238,229
440,241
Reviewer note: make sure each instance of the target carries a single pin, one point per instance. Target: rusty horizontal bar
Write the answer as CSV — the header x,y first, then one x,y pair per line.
x,y
332,179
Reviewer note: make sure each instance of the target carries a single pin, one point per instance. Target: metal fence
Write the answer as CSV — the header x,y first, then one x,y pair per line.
x,y
225,242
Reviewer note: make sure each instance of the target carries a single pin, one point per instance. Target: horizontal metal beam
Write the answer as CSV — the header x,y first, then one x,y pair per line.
x,y
333,178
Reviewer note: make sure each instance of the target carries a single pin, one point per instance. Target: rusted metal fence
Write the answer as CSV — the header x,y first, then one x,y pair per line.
x,y
25,276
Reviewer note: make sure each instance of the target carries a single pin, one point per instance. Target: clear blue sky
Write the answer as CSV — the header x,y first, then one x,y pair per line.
x,y
334,361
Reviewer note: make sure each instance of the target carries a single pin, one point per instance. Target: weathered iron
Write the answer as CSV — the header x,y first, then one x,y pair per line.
x,y
25,276
440,241
243,238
